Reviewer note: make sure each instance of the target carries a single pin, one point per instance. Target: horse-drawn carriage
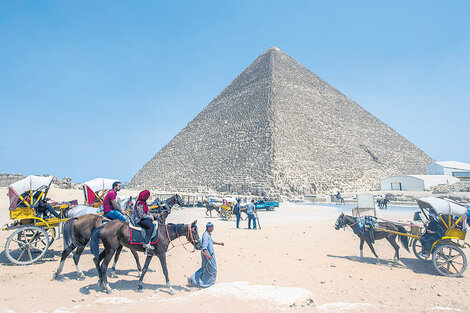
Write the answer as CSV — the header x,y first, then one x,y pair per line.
x,y
445,251
34,230
95,190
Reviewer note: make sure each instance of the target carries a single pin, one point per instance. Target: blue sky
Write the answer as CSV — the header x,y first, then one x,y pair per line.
x,y
95,88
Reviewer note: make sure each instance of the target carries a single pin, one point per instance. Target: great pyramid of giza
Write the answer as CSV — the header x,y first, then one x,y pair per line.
x,y
278,129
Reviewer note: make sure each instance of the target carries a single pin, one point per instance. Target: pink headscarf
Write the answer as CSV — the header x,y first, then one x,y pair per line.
x,y
143,196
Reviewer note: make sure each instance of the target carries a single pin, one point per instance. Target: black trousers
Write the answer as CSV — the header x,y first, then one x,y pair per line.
x,y
48,208
149,226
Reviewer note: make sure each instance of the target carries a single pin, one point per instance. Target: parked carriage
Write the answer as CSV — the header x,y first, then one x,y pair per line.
x,y
96,189
33,232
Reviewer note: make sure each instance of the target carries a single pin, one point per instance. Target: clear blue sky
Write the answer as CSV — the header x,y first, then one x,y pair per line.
x,y
95,88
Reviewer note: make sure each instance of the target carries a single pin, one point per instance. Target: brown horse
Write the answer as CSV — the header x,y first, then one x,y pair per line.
x,y
116,234
346,220
77,233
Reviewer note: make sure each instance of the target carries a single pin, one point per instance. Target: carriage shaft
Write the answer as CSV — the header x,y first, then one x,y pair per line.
x,y
395,232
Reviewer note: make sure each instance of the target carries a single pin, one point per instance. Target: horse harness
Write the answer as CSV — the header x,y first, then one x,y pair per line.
x,y
190,235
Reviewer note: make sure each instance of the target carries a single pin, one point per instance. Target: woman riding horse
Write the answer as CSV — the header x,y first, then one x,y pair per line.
x,y
140,215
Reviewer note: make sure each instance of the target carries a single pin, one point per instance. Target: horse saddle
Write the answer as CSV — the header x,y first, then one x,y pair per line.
x,y
138,235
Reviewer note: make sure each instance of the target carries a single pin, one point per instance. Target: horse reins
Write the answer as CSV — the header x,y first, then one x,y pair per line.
x,y
190,235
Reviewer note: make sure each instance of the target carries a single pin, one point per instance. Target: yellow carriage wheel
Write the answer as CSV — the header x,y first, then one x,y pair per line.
x,y
417,249
27,245
449,260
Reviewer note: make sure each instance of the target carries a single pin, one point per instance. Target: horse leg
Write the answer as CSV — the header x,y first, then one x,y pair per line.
x,y
137,261
97,264
76,259
65,253
112,272
372,249
361,248
395,246
144,270
162,258
104,267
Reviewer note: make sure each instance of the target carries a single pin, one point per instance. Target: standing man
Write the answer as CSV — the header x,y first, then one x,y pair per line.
x,y
236,211
206,275
110,207
251,210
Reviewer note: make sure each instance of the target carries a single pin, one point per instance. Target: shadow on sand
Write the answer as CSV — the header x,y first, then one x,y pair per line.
x,y
131,285
49,256
417,266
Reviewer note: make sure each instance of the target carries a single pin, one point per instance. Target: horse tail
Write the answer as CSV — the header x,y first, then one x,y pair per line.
x,y
96,236
69,238
403,239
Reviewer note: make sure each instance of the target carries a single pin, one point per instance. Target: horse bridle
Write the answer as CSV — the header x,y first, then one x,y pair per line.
x,y
344,222
190,235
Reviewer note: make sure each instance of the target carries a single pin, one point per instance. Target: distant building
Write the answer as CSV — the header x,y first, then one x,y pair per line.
x,y
415,182
451,168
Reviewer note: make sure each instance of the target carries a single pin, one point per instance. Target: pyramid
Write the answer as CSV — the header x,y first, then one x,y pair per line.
x,y
278,129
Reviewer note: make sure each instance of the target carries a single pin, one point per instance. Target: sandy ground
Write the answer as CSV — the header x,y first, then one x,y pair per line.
x,y
295,258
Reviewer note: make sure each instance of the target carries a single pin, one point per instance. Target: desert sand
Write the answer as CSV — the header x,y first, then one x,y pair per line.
x,y
297,262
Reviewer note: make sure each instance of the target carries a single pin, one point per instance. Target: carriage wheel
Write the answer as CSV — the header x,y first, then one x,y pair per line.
x,y
27,245
417,249
449,260
51,235
224,216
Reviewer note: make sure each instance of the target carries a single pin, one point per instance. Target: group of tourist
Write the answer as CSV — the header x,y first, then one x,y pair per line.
x,y
250,211
204,276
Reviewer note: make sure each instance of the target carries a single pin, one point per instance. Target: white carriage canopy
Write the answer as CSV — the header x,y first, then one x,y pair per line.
x,y
33,183
442,206
97,187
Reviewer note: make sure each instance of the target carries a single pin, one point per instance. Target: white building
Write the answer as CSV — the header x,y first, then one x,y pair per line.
x,y
415,182
450,168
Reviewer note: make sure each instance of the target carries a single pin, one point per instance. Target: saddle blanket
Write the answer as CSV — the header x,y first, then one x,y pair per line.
x,y
138,236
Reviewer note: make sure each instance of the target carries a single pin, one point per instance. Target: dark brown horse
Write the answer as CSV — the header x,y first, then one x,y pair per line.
x,y
346,220
77,233
116,234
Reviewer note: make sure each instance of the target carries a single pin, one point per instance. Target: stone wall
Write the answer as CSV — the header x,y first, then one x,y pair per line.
x,y
7,179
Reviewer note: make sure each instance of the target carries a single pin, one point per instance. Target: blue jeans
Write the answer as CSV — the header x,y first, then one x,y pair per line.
x,y
237,215
115,215
251,217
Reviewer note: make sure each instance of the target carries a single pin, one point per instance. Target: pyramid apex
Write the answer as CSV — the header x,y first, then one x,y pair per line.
x,y
275,49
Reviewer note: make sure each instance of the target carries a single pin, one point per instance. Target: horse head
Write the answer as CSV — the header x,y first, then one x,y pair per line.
x,y
193,236
178,200
340,221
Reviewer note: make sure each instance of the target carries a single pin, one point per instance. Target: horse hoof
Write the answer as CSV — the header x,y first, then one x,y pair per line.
x,y
81,277
139,273
140,288
109,291
112,275
171,292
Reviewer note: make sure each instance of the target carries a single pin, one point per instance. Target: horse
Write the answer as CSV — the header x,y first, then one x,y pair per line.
x,y
116,234
346,220
77,232
210,207
339,199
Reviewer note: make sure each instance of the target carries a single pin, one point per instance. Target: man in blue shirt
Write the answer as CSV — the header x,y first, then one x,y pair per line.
x,y
250,211
206,275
